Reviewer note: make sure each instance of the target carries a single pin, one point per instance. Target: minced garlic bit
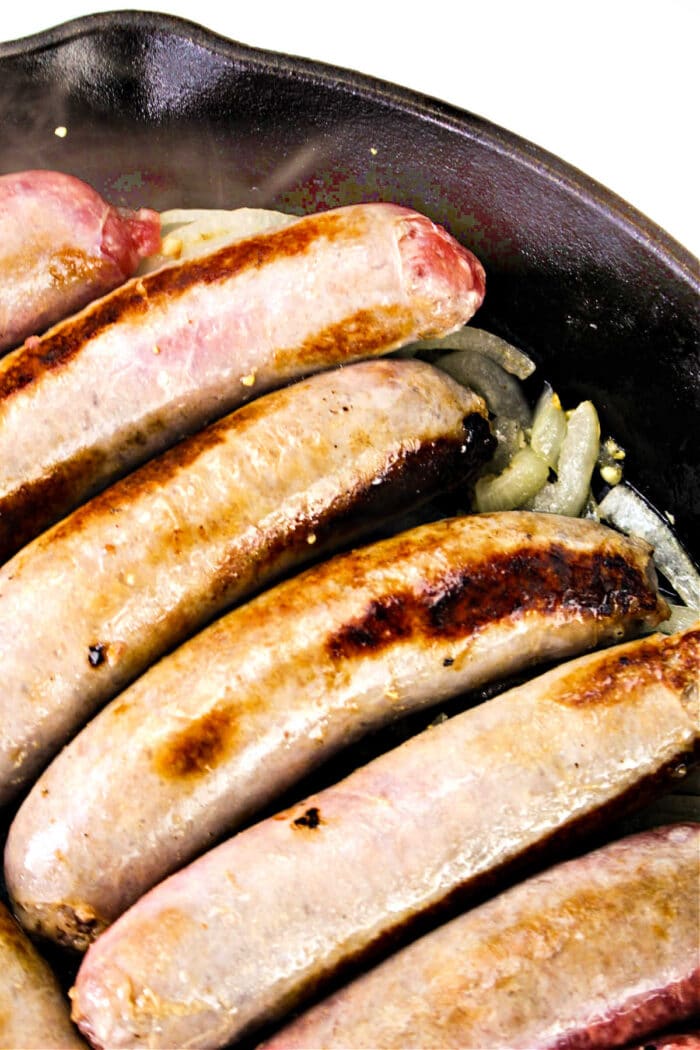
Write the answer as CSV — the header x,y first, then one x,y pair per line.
x,y
392,693
311,538
611,474
156,348
130,580
171,246
613,449
60,132
249,379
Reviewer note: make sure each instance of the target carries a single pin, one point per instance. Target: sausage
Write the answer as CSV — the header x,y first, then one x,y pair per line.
x,y
168,352
90,604
34,1012
590,954
222,726
245,932
61,246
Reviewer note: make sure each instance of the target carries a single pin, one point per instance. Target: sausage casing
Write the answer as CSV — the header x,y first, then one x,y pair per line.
x,y
222,726
90,604
170,351
590,954
243,933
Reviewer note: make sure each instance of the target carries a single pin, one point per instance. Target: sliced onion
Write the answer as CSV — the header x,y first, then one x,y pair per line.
x,y
500,391
680,619
510,438
522,478
628,511
577,460
190,232
514,361
548,427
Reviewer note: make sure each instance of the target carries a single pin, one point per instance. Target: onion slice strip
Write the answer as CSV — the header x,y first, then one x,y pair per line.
x,y
681,619
476,339
630,513
548,427
500,391
191,232
579,455
519,482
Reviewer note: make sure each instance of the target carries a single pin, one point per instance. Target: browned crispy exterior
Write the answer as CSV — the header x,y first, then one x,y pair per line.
x,y
223,725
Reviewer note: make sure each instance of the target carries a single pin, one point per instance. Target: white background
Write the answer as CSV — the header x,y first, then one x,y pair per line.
x,y
609,85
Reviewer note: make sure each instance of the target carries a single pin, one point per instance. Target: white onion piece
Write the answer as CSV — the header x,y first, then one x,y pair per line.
x,y
510,438
626,509
681,619
499,390
579,455
548,427
507,356
191,232
522,478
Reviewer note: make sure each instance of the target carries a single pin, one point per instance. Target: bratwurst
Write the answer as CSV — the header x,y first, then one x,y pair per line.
x,y
61,246
226,723
244,933
91,603
168,352
34,1012
587,956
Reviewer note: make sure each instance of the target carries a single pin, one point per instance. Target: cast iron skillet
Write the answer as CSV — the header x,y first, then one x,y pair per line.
x,y
159,111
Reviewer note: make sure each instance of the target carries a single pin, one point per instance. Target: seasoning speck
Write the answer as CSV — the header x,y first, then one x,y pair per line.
x,y
97,654
310,819
60,132
171,246
248,380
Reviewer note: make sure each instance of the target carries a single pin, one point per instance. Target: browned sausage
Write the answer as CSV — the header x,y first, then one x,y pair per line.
x,y
245,932
588,955
89,605
227,722
168,352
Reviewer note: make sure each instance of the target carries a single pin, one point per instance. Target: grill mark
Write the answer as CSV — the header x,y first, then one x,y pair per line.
x,y
70,266
594,583
353,336
37,357
34,506
207,742
411,478
673,662
200,746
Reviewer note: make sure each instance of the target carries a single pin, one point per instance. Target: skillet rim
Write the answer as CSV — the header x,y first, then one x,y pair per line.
x,y
666,248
